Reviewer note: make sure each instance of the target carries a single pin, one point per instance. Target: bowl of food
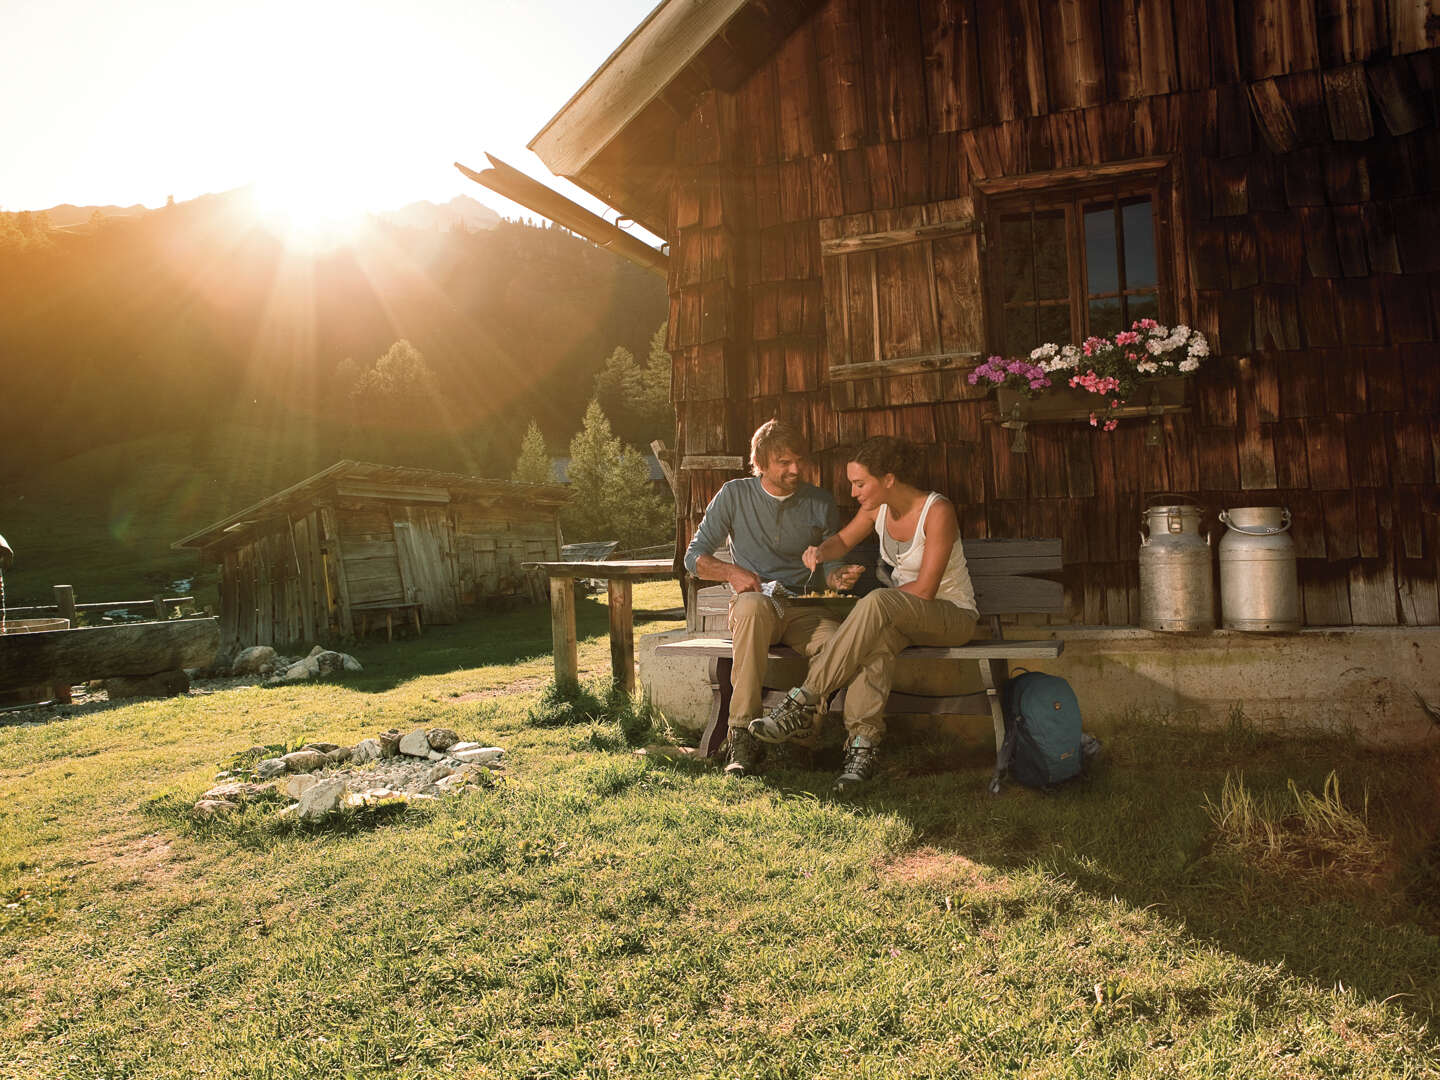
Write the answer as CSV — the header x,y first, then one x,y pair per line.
x,y
840,604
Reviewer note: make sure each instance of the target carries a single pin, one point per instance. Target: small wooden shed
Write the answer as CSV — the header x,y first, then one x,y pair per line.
x,y
302,564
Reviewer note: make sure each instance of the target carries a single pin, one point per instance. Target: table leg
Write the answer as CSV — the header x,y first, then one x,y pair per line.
x,y
562,630
389,626
622,634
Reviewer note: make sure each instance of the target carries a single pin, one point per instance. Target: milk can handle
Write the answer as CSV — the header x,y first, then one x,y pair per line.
x,y
1264,530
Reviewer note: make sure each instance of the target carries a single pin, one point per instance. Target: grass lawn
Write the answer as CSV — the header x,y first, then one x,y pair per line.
x,y
605,913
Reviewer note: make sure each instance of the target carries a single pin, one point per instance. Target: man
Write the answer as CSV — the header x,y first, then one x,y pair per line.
x,y
770,519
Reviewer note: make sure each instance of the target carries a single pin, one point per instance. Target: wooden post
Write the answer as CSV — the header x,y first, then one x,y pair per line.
x,y
159,601
622,634
65,601
562,630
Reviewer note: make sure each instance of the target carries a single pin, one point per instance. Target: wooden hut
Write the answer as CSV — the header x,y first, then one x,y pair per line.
x,y
847,187
357,540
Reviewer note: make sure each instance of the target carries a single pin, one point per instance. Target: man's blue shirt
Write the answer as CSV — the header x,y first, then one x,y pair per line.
x,y
767,535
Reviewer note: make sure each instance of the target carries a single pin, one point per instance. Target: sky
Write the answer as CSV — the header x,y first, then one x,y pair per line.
x,y
328,106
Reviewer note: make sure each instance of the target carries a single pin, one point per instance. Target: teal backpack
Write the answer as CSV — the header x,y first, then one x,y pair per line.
x,y
1043,741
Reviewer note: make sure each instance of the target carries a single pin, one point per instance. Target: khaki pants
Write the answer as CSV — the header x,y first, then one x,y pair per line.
x,y
860,656
755,625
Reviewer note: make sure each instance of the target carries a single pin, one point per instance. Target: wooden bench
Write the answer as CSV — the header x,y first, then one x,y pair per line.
x,y
1000,571
408,610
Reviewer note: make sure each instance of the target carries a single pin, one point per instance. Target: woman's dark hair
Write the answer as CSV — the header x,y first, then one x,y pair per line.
x,y
885,454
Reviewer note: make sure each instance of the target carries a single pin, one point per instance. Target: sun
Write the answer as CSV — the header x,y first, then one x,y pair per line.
x,y
308,212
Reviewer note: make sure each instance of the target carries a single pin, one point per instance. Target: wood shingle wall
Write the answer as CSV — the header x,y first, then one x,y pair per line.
x,y
1304,143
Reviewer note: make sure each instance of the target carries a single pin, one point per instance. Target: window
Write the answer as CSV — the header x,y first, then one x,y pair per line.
x,y
1065,264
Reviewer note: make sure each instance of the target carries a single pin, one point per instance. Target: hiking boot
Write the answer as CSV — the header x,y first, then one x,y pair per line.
x,y
794,717
745,754
862,760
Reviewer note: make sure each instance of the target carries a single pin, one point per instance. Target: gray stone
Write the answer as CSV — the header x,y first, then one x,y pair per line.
x,y
252,660
215,807
237,792
305,669
483,755
271,768
304,761
462,746
453,782
441,738
327,663
322,747
317,650
436,755
439,771
339,755
320,799
415,744
299,784
351,664
163,684
365,750
389,743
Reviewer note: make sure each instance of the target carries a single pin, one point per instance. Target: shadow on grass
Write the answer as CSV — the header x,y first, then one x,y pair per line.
x,y
481,639
1137,827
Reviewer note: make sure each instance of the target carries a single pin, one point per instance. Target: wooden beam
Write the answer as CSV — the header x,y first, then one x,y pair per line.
x,y
100,652
636,73
1007,185
845,245
529,192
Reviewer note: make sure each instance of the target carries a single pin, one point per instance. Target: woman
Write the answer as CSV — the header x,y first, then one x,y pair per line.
x,y
931,602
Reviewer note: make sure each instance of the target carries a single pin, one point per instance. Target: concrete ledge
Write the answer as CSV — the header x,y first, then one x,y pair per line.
x,y
1363,680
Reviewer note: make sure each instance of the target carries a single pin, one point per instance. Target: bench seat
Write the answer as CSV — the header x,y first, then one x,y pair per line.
x,y
1004,573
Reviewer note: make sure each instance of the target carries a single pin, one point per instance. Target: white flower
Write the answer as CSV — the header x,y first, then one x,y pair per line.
x,y
1199,347
1189,364
1147,367
1182,331
1154,348
1044,351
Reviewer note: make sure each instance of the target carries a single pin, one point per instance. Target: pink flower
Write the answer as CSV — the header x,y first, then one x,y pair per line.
x,y
1094,420
1145,324
1110,425
1126,337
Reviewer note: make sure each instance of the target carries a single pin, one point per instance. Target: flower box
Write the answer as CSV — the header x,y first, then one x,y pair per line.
x,y
1167,394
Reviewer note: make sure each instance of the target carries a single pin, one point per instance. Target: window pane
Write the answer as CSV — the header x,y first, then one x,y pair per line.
x,y
1016,269
1019,331
1145,306
1052,263
1053,325
1100,249
1105,317
1139,226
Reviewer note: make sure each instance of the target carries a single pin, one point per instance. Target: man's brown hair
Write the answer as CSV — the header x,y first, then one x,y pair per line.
x,y
772,437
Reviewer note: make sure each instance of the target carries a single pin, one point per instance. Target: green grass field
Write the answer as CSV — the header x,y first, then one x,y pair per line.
x,y
606,913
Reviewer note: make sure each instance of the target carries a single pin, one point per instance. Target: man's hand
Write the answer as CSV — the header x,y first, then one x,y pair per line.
x,y
844,578
811,558
742,580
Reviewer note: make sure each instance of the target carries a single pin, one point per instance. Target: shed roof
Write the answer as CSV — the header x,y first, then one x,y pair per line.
x,y
370,474
615,136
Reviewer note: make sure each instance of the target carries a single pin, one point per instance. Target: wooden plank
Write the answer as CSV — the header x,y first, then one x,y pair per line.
x,y
1292,467
1074,53
134,649
839,51
951,64
1397,95
1347,101
1325,589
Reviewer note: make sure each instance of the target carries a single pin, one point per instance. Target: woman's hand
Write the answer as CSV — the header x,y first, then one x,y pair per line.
x,y
845,577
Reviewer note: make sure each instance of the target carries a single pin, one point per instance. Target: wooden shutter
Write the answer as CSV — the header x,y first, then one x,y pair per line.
x,y
902,290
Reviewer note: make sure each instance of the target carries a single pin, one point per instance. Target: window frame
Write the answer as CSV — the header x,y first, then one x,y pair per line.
x,y
1070,189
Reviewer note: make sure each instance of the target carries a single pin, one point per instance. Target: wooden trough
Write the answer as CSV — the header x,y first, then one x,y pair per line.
x,y
61,657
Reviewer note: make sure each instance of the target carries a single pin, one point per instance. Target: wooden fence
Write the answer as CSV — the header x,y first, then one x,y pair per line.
x,y
66,607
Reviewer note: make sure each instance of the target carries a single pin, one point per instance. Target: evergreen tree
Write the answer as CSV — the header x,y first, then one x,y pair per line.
x,y
399,390
610,494
533,465
637,396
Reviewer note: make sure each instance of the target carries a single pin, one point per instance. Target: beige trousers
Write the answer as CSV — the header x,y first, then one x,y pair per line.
x,y
755,625
860,656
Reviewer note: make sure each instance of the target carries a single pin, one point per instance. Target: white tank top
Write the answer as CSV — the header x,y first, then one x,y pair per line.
x,y
955,585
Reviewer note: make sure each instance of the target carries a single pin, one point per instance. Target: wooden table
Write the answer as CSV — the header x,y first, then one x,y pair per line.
x,y
618,575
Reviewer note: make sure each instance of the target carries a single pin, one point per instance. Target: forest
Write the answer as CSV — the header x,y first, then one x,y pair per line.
x,y
195,317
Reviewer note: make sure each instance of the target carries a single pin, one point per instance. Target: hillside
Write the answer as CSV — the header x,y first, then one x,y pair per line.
x,y
164,370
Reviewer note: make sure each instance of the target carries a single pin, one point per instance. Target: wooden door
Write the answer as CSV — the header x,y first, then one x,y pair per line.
x,y
425,543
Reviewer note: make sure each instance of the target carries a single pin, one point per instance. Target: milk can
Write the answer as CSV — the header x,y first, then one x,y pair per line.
x,y
1177,585
1259,585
